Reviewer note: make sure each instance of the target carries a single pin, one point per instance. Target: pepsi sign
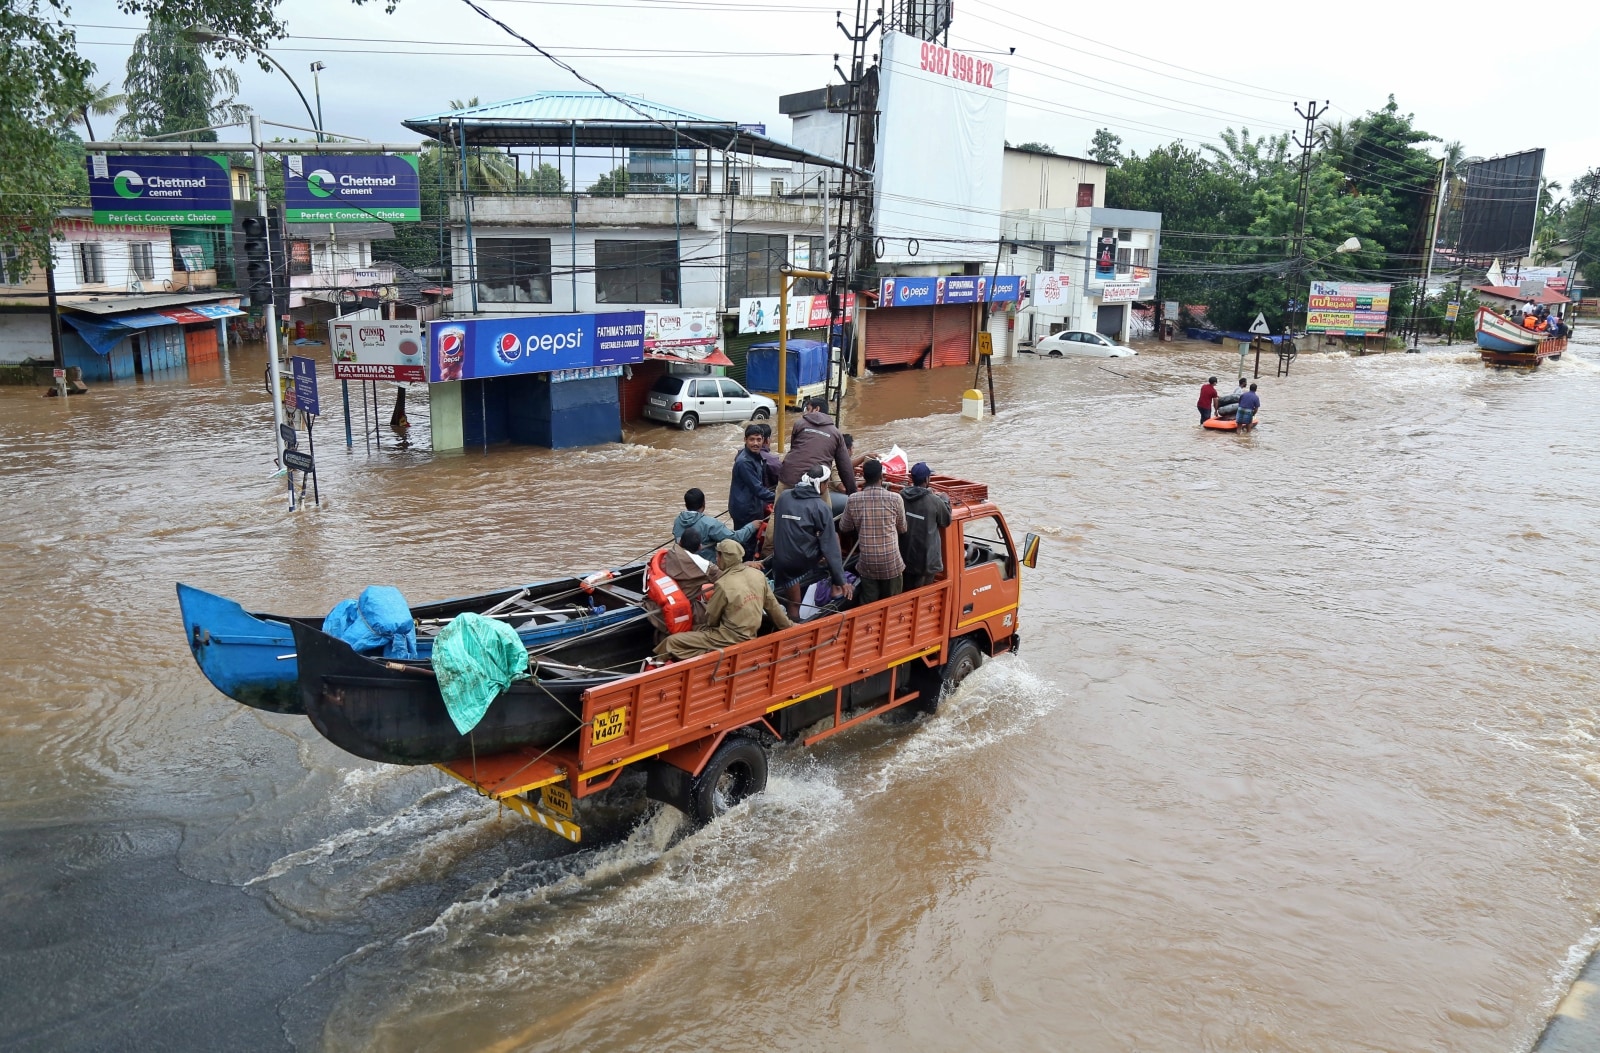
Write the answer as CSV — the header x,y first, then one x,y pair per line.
x,y
948,289
499,347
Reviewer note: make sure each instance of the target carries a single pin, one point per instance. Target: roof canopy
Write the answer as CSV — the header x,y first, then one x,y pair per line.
x,y
589,118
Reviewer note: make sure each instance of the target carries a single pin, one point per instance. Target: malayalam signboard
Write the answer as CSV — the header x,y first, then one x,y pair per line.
x,y
759,314
1050,288
167,188
1347,308
478,348
392,350
688,332
351,188
1125,292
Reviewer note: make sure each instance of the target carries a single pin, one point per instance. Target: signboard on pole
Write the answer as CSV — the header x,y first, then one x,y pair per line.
x,y
1259,326
1347,308
1452,311
502,347
351,188
304,372
1121,293
390,350
165,188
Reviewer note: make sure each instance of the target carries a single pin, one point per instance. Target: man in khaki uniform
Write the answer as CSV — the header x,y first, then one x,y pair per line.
x,y
733,614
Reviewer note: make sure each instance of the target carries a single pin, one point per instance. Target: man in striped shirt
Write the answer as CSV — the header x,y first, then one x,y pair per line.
x,y
878,517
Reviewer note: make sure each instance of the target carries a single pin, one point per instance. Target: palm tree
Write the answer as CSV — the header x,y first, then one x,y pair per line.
x,y
493,172
101,102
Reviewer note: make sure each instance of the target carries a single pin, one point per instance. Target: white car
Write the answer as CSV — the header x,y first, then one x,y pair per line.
x,y
1078,343
690,402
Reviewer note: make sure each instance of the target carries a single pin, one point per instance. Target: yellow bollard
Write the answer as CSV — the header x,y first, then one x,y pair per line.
x,y
972,404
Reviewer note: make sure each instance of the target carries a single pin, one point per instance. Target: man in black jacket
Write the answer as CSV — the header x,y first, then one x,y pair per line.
x,y
803,537
927,515
748,494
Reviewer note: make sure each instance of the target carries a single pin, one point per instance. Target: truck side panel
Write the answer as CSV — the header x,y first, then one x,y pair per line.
x,y
647,714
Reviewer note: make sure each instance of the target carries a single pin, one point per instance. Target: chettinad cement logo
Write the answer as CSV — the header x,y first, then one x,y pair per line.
x,y
322,183
128,183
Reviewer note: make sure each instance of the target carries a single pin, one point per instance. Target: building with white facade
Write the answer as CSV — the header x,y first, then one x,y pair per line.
x,y
1087,268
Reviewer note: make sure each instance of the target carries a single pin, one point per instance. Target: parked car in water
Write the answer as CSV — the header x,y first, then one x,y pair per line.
x,y
690,402
1076,342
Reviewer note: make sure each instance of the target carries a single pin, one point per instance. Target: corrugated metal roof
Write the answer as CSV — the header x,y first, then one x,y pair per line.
x,y
344,231
563,106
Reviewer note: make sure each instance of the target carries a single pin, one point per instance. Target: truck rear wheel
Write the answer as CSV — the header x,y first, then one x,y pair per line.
x,y
736,771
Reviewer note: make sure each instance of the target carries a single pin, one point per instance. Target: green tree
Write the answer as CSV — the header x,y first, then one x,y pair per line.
x,y
1035,148
1106,147
546,179
102,103
1379,158
171,87
613,184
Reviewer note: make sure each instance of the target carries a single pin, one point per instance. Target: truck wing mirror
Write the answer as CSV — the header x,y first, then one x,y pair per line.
x,y
1030,551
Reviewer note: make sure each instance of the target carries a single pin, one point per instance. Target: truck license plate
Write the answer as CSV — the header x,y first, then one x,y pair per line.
x,y
557,801
612,724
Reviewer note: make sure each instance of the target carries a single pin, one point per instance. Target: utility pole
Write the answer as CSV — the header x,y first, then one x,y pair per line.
x,y
1427,270
271,312
1310,141
316,85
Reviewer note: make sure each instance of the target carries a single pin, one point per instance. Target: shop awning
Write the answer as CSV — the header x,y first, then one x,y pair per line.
x,y
103,334
142,320
715,358
186,317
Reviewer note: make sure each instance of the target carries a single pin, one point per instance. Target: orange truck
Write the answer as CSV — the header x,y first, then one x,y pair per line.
x,y
701,729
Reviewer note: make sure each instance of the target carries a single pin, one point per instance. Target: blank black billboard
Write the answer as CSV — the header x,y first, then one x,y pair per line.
x,y
1501,205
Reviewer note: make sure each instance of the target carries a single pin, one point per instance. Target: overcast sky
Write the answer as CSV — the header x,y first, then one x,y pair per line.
x,y
1183,71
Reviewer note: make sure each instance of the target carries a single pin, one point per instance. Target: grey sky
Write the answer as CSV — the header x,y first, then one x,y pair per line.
x,y
1180,75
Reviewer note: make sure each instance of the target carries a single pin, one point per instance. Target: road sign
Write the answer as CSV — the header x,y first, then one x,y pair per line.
x,y
985,345
1452,312
298,460
58,374
1259,326
304,371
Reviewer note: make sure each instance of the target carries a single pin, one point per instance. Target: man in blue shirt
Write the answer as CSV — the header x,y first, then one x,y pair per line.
x,y
1249,405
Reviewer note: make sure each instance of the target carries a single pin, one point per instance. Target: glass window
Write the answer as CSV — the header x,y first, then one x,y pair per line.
x,y
1124,259
142,258
635,272
1141,257
1049,263
706,389
986,543
513,270
1124,235
810,254
753,262
89,262
732,390
667,385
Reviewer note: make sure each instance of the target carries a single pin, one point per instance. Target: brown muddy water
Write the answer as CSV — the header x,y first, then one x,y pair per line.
x,y
1300,751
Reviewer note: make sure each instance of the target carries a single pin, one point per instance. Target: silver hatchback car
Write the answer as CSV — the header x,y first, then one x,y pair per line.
x,y
690,402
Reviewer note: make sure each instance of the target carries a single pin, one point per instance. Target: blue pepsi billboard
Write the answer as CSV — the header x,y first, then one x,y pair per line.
x,y
164,188
949,289
479,348
352,188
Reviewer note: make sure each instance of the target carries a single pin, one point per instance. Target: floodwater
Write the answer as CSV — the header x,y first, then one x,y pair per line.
x,y
1300,751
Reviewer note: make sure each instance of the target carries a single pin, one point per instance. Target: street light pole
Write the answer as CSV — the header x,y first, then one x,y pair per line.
x,y
206,35
270,315
316,87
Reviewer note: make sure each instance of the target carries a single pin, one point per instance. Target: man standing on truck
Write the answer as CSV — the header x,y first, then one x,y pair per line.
x,y
734,611
748,494
803,537
710,528
878,517
817,440
927,514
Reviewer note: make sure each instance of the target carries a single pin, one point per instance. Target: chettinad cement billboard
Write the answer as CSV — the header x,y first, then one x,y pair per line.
x,y
351,188
165,188
940,150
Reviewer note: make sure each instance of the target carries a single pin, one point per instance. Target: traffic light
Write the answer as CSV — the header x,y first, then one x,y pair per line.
x,y
261,270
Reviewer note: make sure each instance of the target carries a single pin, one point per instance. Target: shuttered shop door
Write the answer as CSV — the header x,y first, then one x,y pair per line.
x,y
897,336
200,341
632,390
952,335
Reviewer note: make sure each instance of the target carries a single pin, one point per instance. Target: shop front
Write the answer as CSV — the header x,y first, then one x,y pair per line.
x,y
922,323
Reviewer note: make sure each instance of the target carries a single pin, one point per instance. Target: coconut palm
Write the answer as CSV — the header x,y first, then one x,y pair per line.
x,y
493,172
100,102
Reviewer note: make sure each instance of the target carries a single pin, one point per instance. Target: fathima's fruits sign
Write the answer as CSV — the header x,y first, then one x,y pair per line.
x,y
357,188
167,189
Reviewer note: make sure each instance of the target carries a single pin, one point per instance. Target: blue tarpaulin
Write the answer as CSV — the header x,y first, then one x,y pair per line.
x,y
103,334
808,364
378,619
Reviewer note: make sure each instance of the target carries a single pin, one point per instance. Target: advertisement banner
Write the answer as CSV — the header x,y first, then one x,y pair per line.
x,y
351,188
1105,258
1050,289
759,314
682,327
501,347
379,350
909,292
965,289
1005,288
169,188
1347,308
1120,293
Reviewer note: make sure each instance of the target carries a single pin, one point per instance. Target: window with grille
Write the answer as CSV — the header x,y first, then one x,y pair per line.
x,y
1049,262
635,271
89,262
1124,259
753,262
777,188
810,254
513,270
1124,235
142,259
1141,257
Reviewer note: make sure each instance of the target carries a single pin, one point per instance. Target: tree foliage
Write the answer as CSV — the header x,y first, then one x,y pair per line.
x,y
170,87
1034,148
1106,147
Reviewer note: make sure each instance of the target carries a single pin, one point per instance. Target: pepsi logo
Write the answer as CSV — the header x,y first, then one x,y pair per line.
x,y
508,348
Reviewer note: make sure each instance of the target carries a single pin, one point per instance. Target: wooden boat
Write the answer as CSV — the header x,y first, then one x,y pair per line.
x,y
1502,342
392,711
250,657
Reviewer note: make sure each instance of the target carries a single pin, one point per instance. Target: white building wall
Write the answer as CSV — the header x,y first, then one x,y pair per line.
x,y
116,258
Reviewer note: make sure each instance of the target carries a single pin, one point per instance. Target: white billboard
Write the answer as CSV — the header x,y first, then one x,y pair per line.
x,y
375,350
940,152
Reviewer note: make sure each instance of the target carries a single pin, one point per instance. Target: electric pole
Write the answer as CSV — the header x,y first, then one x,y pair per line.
x,y
1310,141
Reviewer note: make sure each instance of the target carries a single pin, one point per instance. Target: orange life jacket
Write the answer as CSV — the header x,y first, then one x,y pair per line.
x,y
663,591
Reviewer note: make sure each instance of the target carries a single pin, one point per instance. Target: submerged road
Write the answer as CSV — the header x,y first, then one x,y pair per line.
x,y
1300,752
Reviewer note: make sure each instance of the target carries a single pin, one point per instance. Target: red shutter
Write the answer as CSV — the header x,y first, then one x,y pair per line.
x,y
897,336
633,390
952,335
200,343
